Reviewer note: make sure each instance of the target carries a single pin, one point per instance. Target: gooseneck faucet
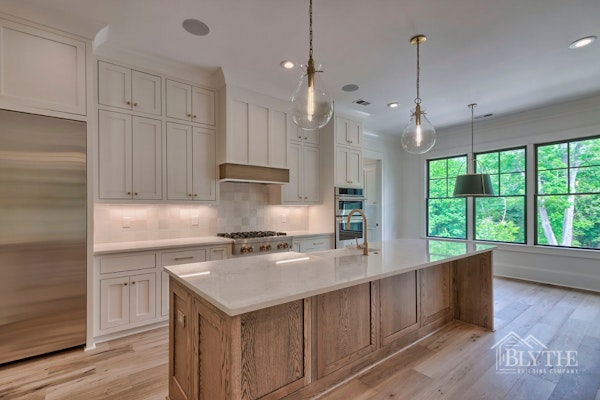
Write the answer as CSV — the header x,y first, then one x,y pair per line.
x,y
365,246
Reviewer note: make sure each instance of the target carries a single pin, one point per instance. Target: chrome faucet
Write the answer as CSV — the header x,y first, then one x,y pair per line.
x,y
365,245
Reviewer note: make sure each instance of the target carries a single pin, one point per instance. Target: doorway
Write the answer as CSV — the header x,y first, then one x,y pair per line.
x,y
373,193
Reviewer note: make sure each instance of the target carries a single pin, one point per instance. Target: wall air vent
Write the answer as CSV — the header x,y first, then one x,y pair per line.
x,y
361,102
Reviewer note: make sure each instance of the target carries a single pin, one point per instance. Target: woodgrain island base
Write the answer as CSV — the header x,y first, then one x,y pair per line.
x,y
299,349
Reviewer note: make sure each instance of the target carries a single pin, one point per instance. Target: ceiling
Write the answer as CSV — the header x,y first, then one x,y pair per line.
x,y
505,55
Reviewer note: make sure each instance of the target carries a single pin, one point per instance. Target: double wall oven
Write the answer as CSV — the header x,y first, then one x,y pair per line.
x,y
347,199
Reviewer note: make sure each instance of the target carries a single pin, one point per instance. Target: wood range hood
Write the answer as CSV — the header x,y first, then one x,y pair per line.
x,y
229,172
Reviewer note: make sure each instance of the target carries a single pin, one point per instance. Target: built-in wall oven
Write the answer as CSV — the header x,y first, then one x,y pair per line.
x,y
346,200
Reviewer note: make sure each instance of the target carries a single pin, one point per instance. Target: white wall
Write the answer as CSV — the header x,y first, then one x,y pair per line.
x,y
572,119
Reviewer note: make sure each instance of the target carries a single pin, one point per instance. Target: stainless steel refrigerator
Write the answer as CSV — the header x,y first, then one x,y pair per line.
x,y
42,234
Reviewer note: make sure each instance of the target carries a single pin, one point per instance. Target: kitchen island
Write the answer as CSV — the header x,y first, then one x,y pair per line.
x,y
292,324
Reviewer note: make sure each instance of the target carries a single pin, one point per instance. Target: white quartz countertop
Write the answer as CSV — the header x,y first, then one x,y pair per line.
x,y
244,284
120,247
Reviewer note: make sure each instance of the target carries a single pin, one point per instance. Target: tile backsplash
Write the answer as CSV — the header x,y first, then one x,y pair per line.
x,y
242,207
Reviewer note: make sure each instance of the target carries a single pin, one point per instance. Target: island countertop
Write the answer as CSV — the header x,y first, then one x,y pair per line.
x,y
241,285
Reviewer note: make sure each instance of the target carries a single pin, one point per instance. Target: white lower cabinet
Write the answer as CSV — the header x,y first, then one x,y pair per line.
x,y
134,288
312,243
126,300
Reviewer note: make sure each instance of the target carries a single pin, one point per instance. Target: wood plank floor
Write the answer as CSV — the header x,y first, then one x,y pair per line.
x,y
454,363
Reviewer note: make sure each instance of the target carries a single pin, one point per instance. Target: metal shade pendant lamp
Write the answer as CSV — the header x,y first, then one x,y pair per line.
x,y
419,135
473,185
310,105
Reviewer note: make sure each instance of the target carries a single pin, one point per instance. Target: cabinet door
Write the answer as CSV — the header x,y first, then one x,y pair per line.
x,y
179,100
114,155
146,159
237,147
347,132
146,93
203,106
204,175
354,164
399,306
179,161
311,176
310,137
114,85
292,191
218,253
41,69
114,302
164,293
341,166
142,297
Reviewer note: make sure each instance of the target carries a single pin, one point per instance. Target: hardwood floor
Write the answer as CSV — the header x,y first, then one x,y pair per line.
x,y
454,363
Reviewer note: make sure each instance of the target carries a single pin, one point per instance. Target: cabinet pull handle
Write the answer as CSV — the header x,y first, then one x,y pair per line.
x,y
128,102
184,258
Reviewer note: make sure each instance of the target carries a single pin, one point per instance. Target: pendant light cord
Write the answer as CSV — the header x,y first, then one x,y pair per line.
x,y
418,99
472,107
310,30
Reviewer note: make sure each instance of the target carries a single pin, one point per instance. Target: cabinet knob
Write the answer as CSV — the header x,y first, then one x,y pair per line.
x,y
135,104
128,102
299,197
133,283
305,137
189,115
128,193
135,193
305,197
194,116
189,195
124,283
195,194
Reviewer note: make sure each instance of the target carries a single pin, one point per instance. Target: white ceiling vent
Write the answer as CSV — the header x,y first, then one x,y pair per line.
x,y
361,102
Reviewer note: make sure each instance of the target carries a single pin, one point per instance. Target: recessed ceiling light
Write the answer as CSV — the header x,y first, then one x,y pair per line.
x,y
393,105
582,42
195,27
351,87
287,64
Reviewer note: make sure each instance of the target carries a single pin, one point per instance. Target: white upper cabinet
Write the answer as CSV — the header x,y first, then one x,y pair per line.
x,y
348,167
130,153
305,179
348,132
191,167
301,135
41,70
190,103
129,89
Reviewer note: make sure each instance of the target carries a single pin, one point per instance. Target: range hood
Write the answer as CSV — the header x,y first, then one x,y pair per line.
x,y
229,172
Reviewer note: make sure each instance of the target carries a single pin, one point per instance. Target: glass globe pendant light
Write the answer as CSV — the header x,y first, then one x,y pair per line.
x,y
474,184
419,135
310,105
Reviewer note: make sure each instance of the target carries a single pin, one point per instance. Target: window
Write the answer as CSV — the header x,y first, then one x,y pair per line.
x,y
446,215
502,218
568,194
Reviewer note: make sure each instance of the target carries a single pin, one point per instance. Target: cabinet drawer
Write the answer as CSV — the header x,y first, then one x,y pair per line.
x,y
129,262
184,257
315,244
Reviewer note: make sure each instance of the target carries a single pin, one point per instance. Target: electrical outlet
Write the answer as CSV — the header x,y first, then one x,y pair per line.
x,y
195,220
126,222
283,218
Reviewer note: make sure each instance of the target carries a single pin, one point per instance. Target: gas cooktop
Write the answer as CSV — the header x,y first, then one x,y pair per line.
x,y
250,234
